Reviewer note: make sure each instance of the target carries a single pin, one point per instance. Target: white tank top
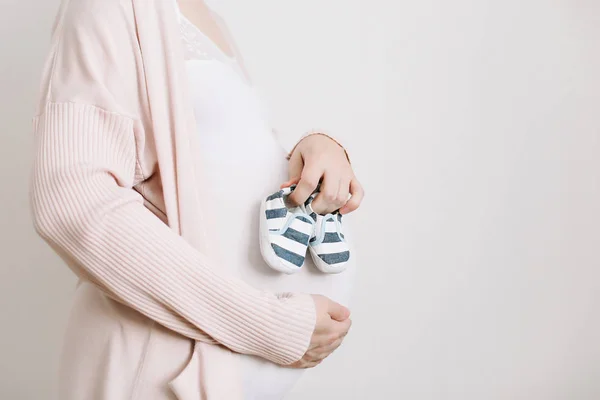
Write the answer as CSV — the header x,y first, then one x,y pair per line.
x,y
243,162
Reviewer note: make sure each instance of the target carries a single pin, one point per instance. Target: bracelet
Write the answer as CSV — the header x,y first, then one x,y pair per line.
x,y
318,132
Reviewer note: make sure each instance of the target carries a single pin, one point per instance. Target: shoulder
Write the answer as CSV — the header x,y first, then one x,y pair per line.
x,y
95,57
93,15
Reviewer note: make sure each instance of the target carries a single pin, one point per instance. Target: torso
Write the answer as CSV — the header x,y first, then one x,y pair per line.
x,y
243,163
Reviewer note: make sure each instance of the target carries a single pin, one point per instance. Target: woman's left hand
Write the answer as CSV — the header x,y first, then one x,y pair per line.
x,y
319,159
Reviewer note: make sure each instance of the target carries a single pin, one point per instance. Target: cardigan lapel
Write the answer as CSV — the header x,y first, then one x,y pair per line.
x,y
212,372
172,119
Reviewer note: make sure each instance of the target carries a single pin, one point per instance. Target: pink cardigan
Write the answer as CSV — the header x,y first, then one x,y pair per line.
x,y
115,192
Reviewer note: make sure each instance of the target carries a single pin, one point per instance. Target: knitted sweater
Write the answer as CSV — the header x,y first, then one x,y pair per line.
x,y
114,187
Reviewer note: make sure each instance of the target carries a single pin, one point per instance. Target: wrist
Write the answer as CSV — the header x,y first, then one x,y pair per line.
x,y
321,133
302,306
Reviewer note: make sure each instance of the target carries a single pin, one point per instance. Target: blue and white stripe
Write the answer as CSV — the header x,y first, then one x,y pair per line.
x,y
328,246
286,233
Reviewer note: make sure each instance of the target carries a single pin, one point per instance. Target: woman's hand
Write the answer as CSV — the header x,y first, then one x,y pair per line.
x,y
333,323
319,159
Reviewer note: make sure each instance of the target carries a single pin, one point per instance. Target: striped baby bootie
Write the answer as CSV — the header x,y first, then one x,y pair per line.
x,y
284,233
328,246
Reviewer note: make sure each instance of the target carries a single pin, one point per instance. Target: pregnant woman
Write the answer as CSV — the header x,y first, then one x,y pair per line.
x,y
153,153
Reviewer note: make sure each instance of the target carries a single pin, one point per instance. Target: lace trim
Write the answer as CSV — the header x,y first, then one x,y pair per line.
x,y
197,46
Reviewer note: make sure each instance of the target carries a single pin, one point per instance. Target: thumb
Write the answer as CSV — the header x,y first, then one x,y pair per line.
x,y
337,311
293,181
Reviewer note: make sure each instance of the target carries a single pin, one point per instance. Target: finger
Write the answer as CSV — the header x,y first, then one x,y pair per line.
x,y
325,201
330,330
342,328
326,351
312,364
309,179
290,182
344,192
295,165
305,362
358,193
337,311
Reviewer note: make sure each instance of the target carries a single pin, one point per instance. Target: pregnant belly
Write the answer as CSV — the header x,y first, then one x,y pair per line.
x,y
237,181
263,380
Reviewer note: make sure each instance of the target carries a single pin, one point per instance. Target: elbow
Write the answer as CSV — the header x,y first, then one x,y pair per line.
x,y
67,209
49,214
45,214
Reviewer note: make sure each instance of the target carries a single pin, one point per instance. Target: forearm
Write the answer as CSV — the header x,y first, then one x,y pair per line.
x,y
83,204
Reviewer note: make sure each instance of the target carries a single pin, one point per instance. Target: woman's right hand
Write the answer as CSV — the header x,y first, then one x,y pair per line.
x,y
333,323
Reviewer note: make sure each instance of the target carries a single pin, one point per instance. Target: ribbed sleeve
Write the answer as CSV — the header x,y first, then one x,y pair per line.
x,y
84,206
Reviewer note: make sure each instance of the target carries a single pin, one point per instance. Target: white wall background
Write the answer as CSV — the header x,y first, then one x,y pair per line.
x,y
474,125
